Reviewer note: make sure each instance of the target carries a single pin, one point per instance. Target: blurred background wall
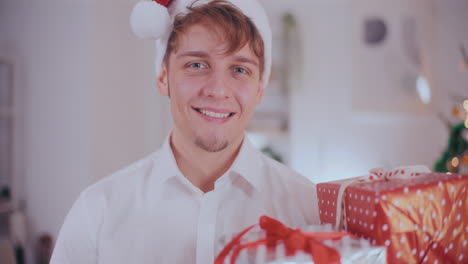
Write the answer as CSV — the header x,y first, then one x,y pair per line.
x,y
85,102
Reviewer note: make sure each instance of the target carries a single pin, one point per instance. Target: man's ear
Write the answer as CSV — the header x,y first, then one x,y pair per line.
x,y
162,81
260,92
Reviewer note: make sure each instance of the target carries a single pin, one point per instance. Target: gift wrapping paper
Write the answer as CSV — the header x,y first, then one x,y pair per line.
x,y
420,219
349,249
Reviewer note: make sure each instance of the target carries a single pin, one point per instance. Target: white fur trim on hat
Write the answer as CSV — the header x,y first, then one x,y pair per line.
x,y
150,20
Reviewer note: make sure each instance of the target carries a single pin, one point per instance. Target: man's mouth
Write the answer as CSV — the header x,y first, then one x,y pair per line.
x,y
213,114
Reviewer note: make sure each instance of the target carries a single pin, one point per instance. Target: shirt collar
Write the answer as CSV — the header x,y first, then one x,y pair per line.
x,y
248,163
166,166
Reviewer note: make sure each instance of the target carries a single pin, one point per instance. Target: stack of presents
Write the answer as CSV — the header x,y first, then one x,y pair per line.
x,y
404,215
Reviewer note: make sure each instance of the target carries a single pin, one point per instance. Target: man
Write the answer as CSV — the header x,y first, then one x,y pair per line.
x,y
207,180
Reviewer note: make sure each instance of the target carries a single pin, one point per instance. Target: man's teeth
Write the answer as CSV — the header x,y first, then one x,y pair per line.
x,y
213,114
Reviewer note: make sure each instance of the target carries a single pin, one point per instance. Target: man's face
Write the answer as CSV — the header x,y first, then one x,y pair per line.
x,y
213,94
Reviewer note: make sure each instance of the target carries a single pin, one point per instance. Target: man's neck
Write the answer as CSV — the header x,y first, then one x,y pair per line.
x,y
200,167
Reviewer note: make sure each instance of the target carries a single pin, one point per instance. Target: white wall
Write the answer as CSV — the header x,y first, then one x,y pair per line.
x,y
129,117
86,101
329,138
52,59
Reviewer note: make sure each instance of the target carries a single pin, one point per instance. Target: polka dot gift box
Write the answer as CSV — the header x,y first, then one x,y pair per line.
x,y
421,217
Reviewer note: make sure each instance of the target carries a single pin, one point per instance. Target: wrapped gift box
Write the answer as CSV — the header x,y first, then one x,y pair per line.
x,y
318,245
421,219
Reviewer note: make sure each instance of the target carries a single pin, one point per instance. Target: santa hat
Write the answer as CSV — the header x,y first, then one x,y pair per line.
x,y
154,20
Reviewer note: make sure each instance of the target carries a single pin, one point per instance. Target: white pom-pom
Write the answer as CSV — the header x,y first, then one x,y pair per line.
x,y
149,20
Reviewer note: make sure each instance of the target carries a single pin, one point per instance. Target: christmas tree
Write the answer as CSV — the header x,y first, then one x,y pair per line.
x,y
455,157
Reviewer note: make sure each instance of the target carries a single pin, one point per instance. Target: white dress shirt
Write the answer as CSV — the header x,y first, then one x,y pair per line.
x,y
150,213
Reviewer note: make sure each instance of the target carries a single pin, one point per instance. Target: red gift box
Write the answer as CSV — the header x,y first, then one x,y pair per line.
x,y
419,219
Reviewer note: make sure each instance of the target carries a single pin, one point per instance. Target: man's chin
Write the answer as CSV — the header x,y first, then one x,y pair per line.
x,y
211,144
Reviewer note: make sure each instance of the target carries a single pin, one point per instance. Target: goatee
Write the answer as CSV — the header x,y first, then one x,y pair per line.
x,y
211,145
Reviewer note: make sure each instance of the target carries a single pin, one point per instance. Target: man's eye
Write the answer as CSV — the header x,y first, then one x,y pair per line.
x,y
240,70
197,65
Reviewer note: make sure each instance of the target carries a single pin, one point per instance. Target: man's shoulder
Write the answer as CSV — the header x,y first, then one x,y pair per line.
x,y
297,193
285,174
125,181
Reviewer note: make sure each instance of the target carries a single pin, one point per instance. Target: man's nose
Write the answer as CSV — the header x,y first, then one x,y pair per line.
x,y
218,85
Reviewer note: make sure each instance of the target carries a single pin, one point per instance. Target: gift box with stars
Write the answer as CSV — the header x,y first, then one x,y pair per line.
x,y
419,217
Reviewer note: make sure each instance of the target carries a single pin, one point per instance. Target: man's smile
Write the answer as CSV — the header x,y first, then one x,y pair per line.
x,y
212,114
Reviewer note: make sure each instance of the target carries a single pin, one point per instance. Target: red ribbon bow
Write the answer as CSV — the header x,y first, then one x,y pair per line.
x,y
293,239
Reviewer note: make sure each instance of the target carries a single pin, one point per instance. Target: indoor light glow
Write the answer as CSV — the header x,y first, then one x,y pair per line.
x,y
423,89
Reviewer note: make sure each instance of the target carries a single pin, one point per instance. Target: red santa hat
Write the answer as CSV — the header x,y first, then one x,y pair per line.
x,y
154,20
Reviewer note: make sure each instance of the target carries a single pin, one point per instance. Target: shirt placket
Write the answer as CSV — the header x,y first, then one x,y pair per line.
x,y
206,228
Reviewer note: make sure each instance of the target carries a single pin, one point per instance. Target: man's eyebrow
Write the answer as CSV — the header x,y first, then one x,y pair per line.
x,y
200,54
245,60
